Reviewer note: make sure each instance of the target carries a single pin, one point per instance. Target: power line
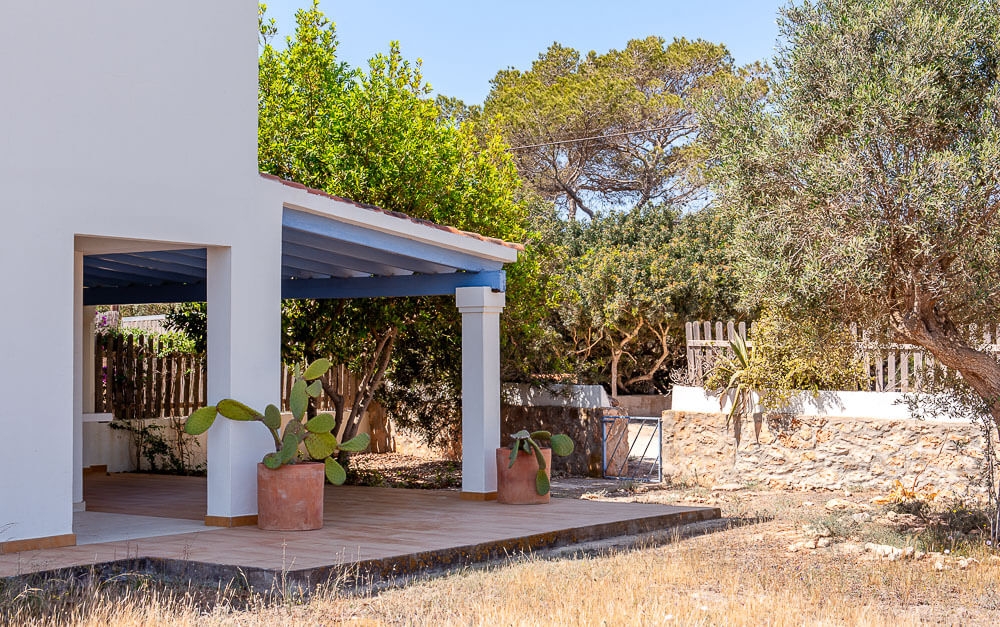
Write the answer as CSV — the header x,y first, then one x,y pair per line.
x,y
585,139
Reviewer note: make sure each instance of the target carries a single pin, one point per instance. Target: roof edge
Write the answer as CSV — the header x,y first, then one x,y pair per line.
x,y
394,214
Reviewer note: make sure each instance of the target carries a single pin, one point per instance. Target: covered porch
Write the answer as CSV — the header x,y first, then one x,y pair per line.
x,y
327,248
369,532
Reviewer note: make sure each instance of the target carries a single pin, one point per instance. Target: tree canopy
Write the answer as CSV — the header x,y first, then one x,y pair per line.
x,y
608,130
375,136
864,183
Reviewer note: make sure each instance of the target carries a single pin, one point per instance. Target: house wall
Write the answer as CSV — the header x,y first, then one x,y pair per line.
x,y
134,121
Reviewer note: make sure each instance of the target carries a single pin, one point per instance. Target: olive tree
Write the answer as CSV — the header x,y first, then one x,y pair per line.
x,y
864,181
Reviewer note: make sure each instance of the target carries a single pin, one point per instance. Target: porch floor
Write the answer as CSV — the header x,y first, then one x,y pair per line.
x,y
371,532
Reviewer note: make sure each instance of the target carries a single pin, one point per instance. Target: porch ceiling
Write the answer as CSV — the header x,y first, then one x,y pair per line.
x,y
350,252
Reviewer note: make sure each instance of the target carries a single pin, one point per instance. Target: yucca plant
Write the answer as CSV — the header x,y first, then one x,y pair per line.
x,y
561,445
316,434
738,390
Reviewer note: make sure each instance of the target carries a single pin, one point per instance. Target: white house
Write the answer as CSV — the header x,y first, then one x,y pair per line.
x,y
128,173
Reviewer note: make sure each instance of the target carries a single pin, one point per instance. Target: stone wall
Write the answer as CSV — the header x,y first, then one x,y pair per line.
x,y
644,404
583,425
823,452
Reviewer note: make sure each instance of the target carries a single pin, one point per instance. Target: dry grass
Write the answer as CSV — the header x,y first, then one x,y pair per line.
x,y
744,575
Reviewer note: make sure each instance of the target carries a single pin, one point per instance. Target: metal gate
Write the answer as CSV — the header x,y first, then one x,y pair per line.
x,y
631,448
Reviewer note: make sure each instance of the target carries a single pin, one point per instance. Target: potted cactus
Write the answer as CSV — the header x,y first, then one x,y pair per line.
x,y
289,479
524,469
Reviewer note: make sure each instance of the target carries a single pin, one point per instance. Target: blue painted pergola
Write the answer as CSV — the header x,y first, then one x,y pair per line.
x,y
321,258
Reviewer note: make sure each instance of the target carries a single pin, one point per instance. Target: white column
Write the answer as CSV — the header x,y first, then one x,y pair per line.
x,y
480,308
244,352
89,374
79,368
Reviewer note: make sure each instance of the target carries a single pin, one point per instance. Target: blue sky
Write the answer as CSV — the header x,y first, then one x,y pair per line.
x,y
464,44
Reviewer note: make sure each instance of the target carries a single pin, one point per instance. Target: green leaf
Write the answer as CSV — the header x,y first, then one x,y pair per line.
x,y
541,435
289,447
335,473
272,461
272,417
314,389
299,399
322,423
294,427
562,445
538,454
521,435
357,443
541,482
317,369
235,410
513,455
199,422
320,445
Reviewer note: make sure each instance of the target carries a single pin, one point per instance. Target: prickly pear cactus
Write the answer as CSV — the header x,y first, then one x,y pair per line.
x,y
314,436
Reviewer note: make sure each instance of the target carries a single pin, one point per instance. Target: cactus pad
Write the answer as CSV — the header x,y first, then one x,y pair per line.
x,y
235,410
298,400
323,423
357,443
320,445
562,445
335,473
317,369
272,417
272,461
541,482
200,420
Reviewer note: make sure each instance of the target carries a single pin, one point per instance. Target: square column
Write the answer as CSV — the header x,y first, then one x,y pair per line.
x,y
80,339
244,363
480,308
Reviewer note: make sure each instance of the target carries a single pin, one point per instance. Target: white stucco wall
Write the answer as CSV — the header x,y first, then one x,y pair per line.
x,y
134,121
887,405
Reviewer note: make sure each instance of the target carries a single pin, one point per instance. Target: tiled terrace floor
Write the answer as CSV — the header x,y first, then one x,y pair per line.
x,y
380,531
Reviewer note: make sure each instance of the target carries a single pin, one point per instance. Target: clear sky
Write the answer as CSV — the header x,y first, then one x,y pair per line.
x,y
464,44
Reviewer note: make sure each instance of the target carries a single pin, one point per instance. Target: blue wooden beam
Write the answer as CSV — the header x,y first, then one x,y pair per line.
x,y
393,286
145,294
361,287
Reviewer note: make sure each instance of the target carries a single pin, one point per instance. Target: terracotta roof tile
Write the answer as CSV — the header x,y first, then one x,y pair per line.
x,y
394,214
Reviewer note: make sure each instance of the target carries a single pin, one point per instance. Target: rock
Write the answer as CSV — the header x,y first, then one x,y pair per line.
x,y
841,505
807,503
884,551
816,530
823,543
728,487
795,547
861,517
966,562
939,564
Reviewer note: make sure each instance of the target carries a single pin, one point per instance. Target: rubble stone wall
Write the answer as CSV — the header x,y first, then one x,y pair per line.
x,y
823,452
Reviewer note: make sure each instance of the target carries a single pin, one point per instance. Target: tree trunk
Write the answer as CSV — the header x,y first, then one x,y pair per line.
x,y
928,327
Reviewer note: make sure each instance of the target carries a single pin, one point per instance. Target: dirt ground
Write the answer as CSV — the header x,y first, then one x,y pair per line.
x,y
924,560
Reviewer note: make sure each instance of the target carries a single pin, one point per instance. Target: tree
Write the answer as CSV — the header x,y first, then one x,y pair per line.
x,y
865,185
624,283
611,130
376,137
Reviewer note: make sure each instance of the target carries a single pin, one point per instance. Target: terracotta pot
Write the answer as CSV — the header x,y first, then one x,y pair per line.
x,y
516,485
291,497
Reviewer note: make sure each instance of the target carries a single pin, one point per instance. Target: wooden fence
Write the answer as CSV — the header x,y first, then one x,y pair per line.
x,y
890,367
135,379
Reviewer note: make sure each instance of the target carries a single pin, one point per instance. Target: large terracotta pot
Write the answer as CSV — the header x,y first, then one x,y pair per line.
x,y
291,497
516,485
